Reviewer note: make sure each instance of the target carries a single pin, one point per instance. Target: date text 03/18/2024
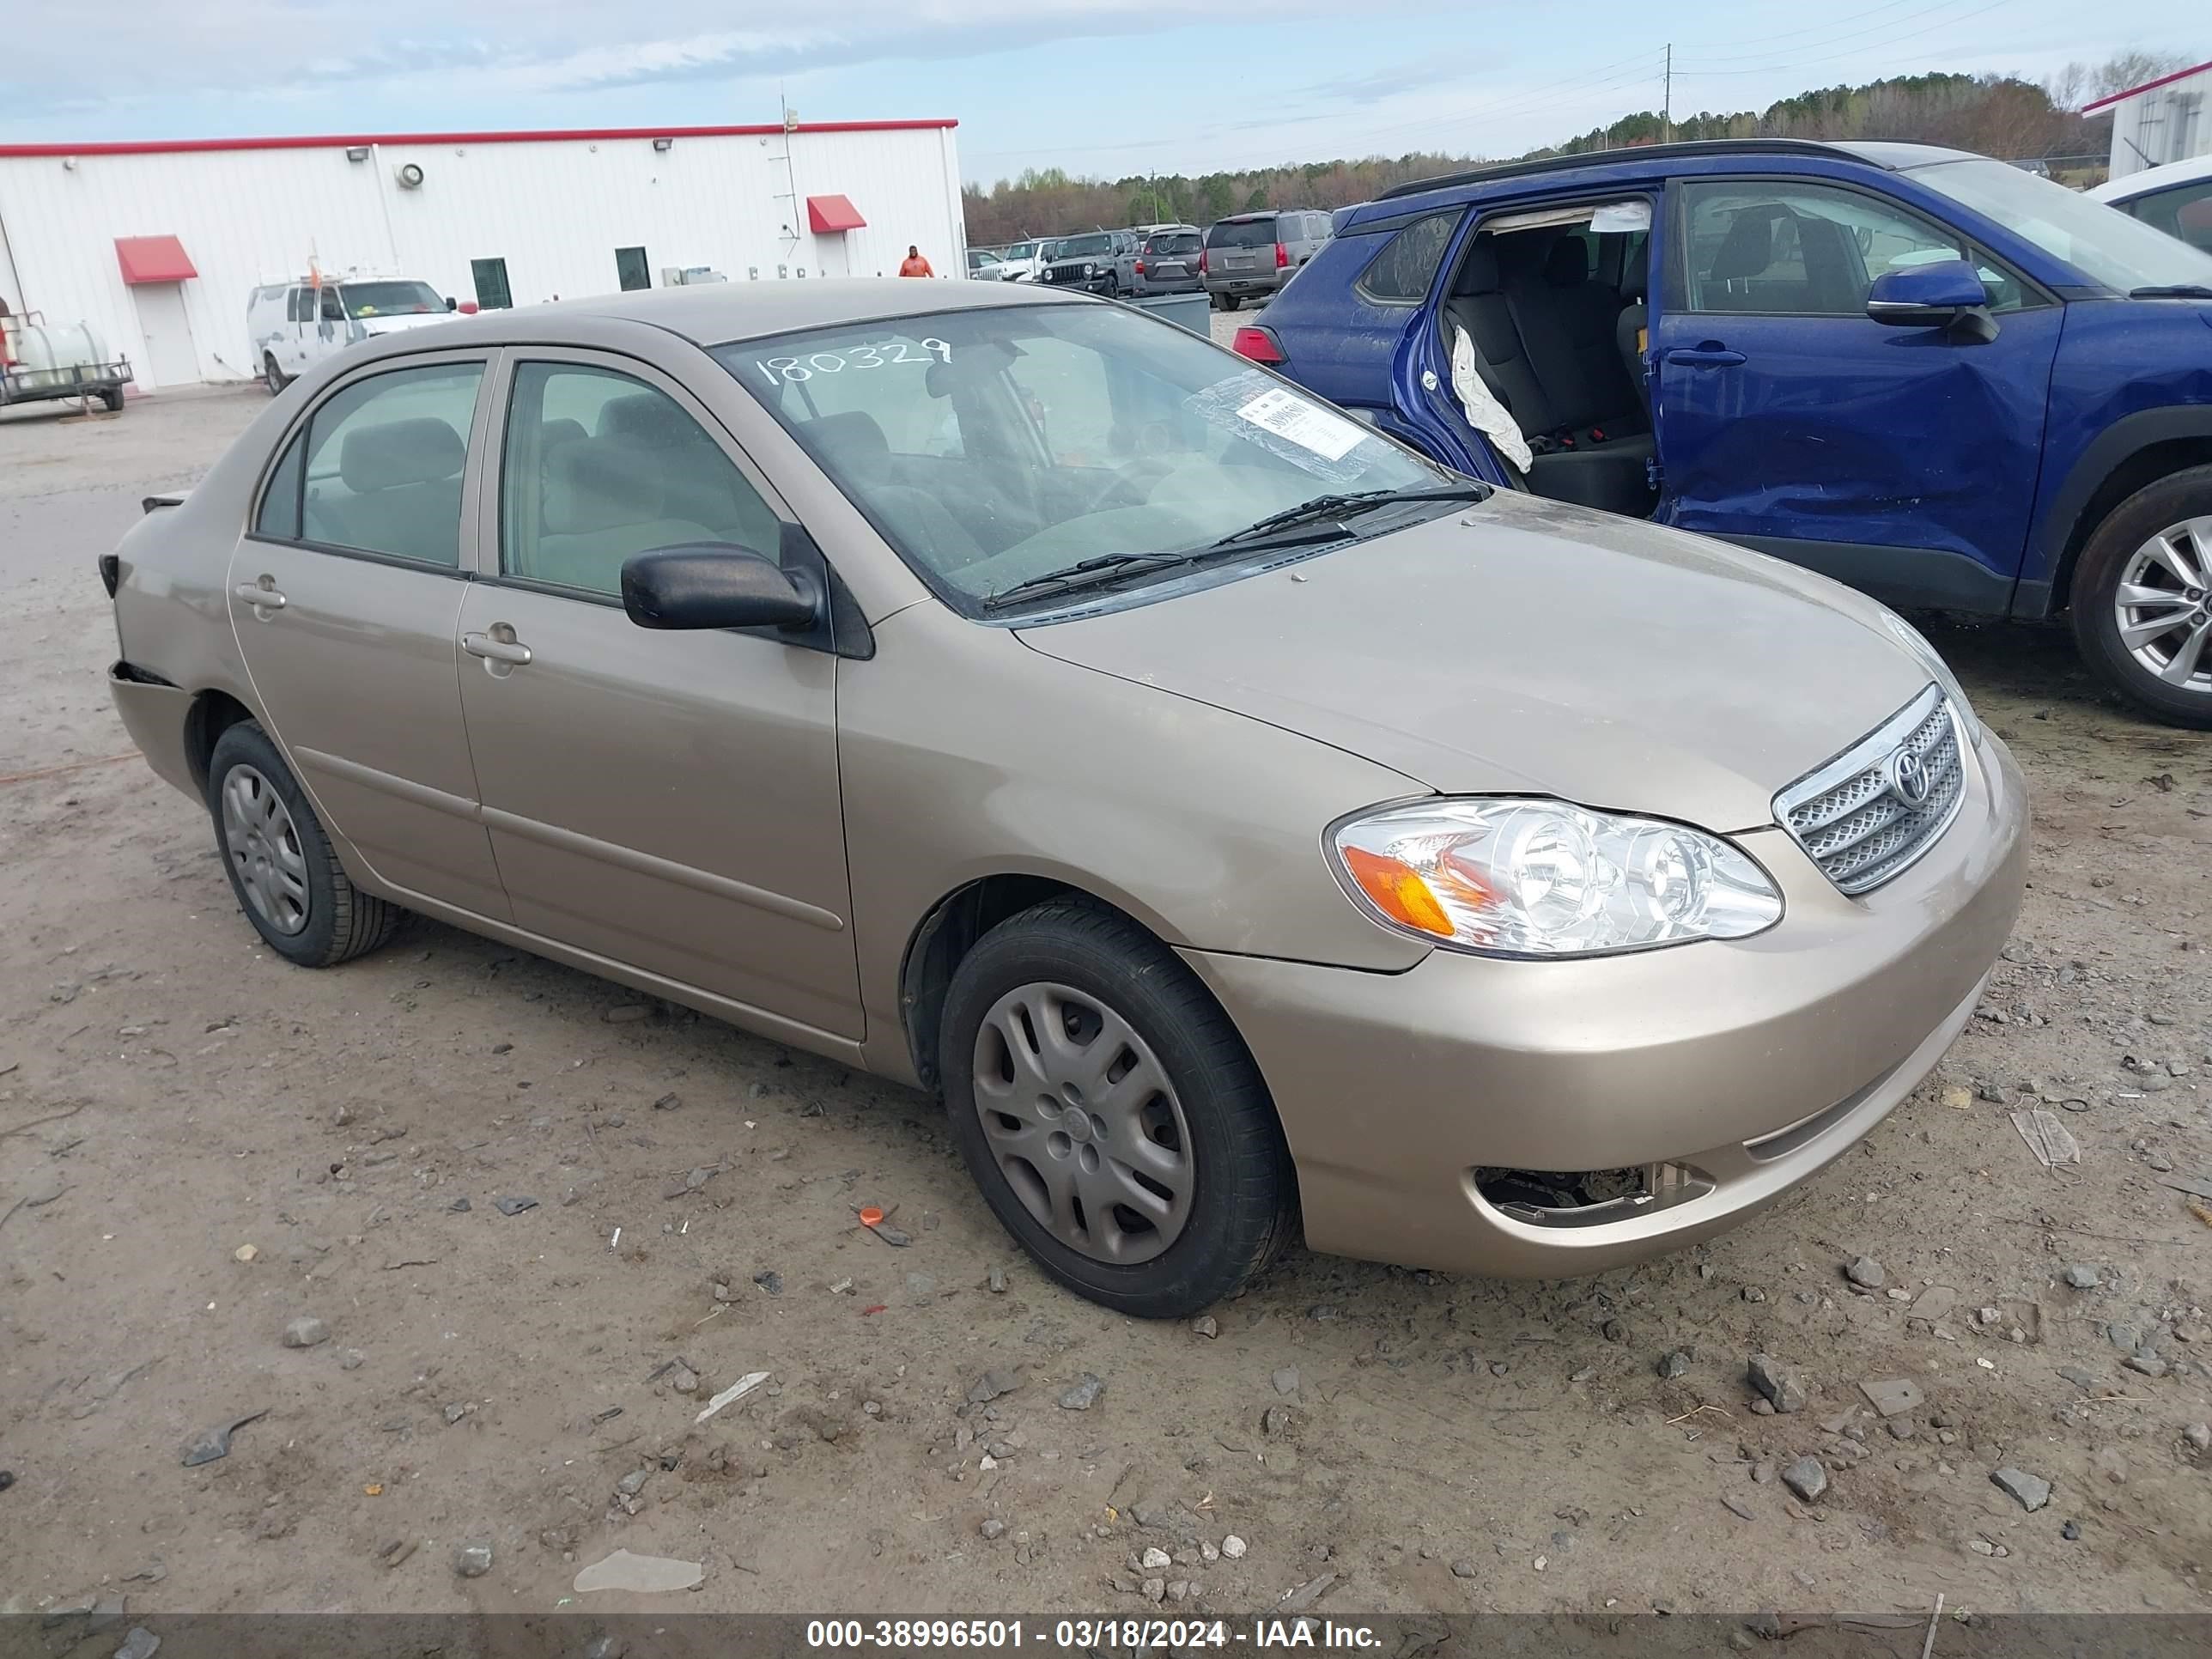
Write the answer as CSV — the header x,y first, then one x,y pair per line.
x,y
896,1634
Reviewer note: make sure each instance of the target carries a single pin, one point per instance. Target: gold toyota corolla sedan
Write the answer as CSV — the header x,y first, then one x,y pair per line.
x,y
1239,821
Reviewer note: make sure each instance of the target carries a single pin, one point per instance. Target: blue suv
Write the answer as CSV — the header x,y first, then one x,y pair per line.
x,y
1928,374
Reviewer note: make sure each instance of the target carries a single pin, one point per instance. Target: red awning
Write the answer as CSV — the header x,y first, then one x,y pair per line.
x,y
152,260
828,215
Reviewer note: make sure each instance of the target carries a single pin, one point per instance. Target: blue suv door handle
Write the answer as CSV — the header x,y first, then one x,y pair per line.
x,y
1712,355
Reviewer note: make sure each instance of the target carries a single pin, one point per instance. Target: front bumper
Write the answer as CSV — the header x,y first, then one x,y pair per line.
x,y
1749,1063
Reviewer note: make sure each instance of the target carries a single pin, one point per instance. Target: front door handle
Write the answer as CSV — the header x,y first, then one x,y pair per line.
x,y
263,597
1712,355
498,647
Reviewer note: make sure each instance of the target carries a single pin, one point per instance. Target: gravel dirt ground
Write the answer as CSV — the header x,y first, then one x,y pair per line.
x,y
200,1145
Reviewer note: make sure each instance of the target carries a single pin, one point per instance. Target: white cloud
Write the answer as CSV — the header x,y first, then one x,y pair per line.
x,y
432,49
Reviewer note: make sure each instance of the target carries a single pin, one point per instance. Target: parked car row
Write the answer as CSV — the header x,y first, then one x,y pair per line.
x,y
1246,256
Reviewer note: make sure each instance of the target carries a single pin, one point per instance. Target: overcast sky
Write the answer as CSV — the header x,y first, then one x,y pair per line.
x,y
1104,87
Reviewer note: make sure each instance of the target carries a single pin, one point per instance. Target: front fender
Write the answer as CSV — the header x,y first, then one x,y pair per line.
x,y
2065,522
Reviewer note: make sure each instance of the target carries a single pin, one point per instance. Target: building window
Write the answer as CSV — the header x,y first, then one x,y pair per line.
x,y
631,268
490,278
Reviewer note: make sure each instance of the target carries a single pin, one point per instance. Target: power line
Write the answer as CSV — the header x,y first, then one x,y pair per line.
x,y
1882,44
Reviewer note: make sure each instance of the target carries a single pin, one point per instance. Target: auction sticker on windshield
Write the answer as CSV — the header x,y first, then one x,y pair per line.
x,y
1307,425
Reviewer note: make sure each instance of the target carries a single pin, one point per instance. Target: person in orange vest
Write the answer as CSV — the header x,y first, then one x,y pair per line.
x,y
913,265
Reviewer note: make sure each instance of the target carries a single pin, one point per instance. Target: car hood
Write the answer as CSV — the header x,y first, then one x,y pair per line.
x,y
1524,645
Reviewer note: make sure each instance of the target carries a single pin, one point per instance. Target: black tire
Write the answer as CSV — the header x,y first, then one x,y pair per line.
x,y
271,376
113,399
1243,1209
2097,577
1229,302
342,922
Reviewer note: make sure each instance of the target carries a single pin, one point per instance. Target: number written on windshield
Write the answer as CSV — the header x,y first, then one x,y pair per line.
x,y
777,371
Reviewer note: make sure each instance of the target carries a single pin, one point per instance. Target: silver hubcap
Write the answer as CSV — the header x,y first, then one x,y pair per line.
x,y
1084,1124
264,850
2164,606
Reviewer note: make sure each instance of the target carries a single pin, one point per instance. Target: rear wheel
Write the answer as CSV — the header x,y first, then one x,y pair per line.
x,y
1111,1113
113,399
2142,598
1229,302
271,376
287,880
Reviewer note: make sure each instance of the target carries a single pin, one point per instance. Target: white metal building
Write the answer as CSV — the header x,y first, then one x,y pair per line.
x,y
159,245
2160,121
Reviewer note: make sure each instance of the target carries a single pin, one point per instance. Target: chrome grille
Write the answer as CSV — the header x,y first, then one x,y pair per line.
x,y
1854,817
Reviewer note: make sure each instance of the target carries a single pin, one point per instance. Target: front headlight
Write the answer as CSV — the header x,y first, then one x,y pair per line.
x,y
1938,670
1091,271
1513,878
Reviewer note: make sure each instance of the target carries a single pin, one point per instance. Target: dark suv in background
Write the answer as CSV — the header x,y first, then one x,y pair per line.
x,y
1249,255
1165,261
1089,262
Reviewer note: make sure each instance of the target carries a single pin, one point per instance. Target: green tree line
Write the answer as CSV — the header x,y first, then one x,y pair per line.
x,y
1996,115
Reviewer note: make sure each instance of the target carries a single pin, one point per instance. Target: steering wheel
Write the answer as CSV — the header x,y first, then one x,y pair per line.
x,y
1135,481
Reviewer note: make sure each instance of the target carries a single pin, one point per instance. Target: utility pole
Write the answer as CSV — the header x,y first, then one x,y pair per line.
x,y
1667,99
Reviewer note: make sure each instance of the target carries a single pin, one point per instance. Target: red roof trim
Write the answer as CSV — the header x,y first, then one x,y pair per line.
x,y
191,146
831,216
2111,99
152,260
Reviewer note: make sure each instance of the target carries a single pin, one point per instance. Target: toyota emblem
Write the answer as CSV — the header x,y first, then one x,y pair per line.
x,y
1908,778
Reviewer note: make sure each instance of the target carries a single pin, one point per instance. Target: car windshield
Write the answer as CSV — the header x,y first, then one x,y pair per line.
x,y
388,299
990,446
1242,233
1074,246
2102,243
1021,250
1183,241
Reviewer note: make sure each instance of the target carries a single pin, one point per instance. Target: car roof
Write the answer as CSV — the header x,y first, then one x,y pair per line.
x,y
715,313
1644,156
2129,186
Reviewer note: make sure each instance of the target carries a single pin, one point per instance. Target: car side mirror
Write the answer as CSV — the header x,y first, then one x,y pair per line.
x,y
452,304
1933,295
717,585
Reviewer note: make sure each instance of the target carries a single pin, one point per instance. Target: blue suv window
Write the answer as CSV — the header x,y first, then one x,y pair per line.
x,y
1403,272
1794,249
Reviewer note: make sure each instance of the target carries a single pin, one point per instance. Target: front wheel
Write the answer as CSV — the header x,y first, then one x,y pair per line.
x,y
1111,1113
288,882
2143,599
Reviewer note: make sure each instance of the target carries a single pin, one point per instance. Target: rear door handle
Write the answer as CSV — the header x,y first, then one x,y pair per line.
x,y
1704,356
512,653
260,597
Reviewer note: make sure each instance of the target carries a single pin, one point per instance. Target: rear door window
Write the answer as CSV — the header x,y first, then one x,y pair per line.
x,y
384,462
1242,233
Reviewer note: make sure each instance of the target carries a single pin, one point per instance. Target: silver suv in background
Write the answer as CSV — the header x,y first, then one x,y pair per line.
x,y
1165,261
1248,256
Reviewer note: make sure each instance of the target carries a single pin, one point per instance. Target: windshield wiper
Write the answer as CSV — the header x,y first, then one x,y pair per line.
x,y
2172,291
1318,516
1323,509
1084,573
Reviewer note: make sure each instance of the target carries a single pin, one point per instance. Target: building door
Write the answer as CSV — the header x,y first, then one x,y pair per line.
x,y
171,359
490,278
631,270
